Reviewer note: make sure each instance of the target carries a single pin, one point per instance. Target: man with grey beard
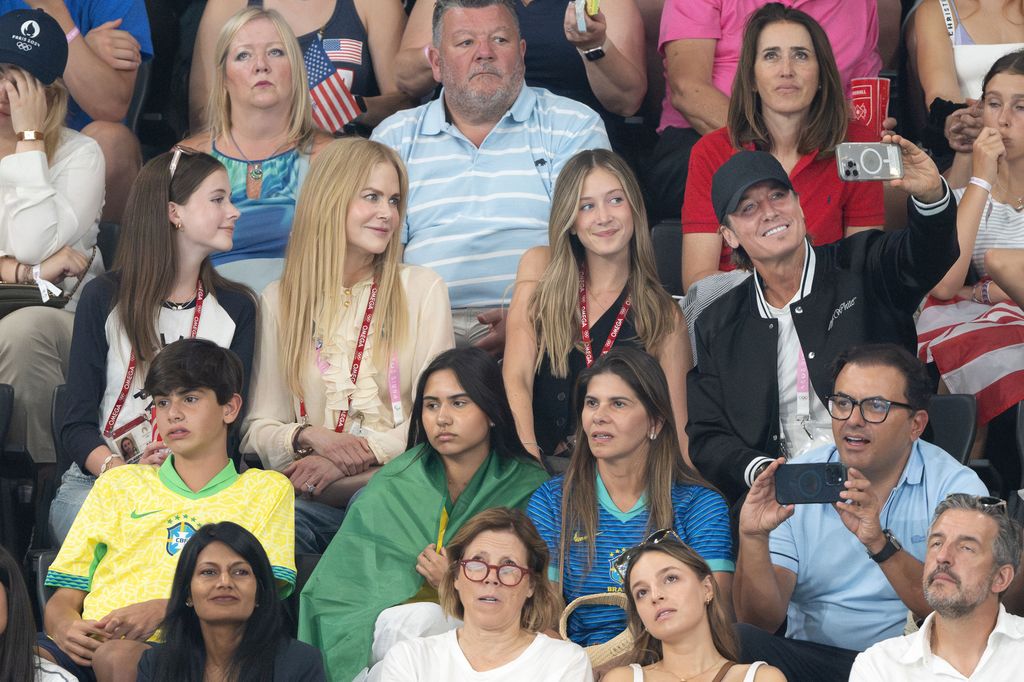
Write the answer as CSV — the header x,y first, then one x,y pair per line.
x,y
974,552
482,161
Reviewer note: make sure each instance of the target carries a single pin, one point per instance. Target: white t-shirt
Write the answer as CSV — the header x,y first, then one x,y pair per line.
x,y
51,672
440,659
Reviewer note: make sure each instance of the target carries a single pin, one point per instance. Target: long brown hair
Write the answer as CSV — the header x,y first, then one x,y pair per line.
x,y
541,610
147,254
311,292
828,116
646,648
663,469
555,303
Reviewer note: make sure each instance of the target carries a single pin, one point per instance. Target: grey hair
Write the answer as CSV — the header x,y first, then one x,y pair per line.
x,y
1008,545
442,6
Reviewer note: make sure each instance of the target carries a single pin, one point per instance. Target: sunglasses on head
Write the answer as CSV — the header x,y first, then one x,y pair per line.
x,y
179,149
621,563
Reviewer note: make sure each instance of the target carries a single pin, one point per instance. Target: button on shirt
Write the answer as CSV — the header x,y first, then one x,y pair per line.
x,y
910,658
842,598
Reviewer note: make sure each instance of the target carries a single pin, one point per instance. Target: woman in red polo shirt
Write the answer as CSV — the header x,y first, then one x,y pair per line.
x,y
788,100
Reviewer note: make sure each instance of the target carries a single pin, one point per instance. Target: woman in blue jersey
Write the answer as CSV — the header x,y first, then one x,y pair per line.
x,y
627,478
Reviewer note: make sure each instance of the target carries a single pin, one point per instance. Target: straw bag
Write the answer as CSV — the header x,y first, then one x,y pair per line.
x,y
618,645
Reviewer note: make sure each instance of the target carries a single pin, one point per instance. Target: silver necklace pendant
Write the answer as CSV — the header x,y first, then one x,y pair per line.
x,y
256,171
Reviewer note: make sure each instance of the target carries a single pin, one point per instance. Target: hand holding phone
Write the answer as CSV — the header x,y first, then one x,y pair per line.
x,y
863,161
761,513
815,483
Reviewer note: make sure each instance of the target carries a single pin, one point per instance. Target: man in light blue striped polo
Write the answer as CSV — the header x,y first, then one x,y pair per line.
x,y
482,160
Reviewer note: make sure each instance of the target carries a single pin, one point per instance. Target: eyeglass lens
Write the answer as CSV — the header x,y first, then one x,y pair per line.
x,y
509,575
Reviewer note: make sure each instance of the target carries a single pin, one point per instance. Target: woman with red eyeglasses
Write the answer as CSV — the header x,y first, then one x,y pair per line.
x,y
497,584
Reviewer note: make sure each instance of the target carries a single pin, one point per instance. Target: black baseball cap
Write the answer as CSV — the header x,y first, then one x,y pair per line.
x,y
740,173
33,40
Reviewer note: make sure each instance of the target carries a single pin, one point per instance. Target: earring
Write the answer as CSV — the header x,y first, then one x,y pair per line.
x,y
653,434
179,227
188,603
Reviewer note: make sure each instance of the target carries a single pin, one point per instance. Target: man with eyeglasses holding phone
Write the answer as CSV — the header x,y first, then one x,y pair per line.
x,y
973,556
843,575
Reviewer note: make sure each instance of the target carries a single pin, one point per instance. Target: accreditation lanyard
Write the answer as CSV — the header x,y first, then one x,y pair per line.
x,y
126,386
588,352
803,388
357,361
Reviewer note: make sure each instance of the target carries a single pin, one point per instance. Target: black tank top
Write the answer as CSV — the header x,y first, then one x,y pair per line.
x,y
345,41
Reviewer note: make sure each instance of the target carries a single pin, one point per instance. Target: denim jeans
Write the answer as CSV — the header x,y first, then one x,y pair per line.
x,y
315,525
74,488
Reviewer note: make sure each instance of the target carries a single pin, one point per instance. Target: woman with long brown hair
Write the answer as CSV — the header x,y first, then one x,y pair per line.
x,y
594,288
163,287
788,99
627,479
679,619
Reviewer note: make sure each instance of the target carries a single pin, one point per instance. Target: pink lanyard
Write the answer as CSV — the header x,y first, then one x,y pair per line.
x,y
357,361
588,353
109,431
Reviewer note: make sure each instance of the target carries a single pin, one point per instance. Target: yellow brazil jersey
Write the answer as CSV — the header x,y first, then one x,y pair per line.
x,y
124,544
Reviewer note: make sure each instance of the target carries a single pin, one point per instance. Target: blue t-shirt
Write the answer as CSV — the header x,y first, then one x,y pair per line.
x,y
87,15
701,520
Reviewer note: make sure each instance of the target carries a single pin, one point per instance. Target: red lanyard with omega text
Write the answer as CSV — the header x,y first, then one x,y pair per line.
x,y
357,360
588,353
108,431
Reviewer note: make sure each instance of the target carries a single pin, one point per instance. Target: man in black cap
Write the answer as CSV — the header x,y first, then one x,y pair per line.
x,y
765,348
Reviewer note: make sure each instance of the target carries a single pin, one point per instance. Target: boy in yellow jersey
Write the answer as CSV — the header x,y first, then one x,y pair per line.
x,y
114,571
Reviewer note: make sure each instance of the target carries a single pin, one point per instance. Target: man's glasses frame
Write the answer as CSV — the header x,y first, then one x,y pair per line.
x,y
877,400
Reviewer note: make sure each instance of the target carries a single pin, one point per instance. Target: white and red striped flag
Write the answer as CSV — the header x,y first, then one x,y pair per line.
x,y
977,348
333,103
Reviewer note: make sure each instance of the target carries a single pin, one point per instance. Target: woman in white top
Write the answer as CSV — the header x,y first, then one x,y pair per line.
x,y
51,192
679,623
344,336
497,584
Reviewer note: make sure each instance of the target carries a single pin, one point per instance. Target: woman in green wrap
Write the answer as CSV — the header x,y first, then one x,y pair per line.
x,y
464,456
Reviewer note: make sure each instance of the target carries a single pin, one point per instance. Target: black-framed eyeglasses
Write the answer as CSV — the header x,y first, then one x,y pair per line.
x,y
179,149
477,571
621,563
874,409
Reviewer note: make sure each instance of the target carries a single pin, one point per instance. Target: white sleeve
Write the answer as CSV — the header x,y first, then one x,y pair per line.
x,y
45,209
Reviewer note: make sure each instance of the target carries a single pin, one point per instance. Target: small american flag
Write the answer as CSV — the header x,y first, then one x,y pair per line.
x,y
344,50
333,103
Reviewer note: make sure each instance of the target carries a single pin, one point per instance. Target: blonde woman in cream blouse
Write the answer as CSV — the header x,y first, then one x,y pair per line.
x,y
308,419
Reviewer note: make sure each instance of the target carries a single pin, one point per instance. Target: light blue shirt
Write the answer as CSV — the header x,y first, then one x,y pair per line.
x,y
474,211
842,598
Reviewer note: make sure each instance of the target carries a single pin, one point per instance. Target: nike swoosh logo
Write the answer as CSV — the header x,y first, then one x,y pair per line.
x,y
136,515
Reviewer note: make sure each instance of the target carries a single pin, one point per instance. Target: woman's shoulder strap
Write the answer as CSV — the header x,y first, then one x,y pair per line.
x,y
638,672
723,671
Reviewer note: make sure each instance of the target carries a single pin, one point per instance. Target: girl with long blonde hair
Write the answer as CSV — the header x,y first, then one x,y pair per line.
x,y
344,336
595,286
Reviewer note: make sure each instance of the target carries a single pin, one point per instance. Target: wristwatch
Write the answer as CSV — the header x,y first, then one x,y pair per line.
x,y
892,545
30,135
594,53
300,452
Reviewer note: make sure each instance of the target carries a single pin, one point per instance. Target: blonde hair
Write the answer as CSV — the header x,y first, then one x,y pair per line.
x,y
554,306
218,110
56,112
544,606
311,291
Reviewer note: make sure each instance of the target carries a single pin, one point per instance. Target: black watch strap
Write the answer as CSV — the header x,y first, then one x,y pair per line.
x,y
892,545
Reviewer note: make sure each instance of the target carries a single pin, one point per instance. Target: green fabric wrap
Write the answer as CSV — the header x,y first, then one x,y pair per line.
x,y
370,564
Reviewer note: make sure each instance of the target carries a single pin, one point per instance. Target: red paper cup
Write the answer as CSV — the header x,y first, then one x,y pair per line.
x,y
870,102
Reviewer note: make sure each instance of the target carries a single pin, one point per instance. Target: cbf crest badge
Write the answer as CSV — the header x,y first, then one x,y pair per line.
x,y
180,529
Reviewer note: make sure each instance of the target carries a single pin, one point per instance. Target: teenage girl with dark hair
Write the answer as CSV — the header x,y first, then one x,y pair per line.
x,y
162,288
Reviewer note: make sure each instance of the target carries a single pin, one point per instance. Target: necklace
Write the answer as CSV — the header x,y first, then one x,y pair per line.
x,y
171,305
661,667
255,167
1018,204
